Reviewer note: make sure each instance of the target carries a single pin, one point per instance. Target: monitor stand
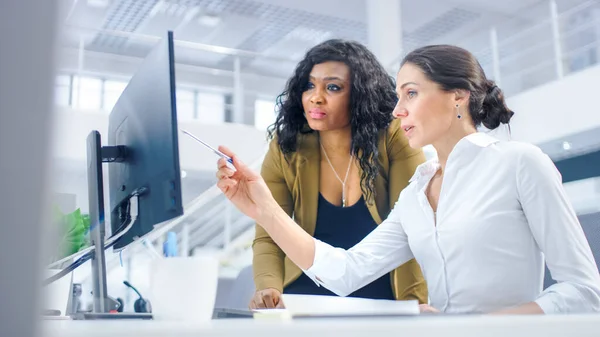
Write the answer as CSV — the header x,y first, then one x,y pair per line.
x,y
96,155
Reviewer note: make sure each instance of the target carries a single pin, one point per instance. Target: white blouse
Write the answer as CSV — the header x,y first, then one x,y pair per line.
x,y
502,209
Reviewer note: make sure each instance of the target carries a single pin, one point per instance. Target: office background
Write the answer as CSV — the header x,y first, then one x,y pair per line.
x,y
234,56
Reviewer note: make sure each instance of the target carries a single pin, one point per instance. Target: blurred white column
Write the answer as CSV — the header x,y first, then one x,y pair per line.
x,y
385,31
160,243
556,39
249,104
238,92
80,61
495,55
227,225
185,240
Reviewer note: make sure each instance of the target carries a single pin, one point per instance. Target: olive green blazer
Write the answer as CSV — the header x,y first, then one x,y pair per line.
x,y
295,185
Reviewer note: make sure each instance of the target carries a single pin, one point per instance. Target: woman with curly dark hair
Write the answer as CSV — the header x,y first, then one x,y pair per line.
x,y
337,164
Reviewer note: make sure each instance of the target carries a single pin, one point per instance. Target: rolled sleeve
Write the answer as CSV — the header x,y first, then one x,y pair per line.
x,y
563,298
320,264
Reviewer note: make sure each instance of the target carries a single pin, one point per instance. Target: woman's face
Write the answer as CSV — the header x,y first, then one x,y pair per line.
x,y
425,110
326,98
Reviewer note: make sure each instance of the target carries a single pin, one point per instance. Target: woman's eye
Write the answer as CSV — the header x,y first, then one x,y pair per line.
x,y
333,87
411,94
309,85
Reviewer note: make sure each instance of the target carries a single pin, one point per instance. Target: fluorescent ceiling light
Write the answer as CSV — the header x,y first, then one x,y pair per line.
x,y
209,20
98,3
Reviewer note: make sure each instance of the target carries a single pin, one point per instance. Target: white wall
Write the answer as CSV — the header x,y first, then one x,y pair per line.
x,y
557,109
72,128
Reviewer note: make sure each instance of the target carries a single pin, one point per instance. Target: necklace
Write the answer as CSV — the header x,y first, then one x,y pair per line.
x,y
338,177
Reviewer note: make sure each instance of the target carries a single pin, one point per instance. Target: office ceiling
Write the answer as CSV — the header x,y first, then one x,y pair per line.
x,y
279,30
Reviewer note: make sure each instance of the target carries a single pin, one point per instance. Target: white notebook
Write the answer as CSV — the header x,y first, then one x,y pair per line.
x,y
334,306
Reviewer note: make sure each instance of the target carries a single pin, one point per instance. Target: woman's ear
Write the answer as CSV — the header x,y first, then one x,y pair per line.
x,y
461,97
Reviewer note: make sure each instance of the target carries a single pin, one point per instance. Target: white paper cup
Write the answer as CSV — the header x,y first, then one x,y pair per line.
x,y
183,288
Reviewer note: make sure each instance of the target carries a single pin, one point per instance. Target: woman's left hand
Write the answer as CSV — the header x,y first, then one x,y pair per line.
x,y
426,308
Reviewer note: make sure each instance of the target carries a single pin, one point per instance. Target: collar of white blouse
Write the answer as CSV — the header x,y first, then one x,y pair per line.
x,y
424,172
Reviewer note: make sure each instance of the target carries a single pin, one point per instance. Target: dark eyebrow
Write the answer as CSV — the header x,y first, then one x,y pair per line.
x,y
407,83
329,78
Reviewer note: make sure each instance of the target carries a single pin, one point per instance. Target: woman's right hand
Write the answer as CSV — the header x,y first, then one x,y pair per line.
x,y
245,188
266,299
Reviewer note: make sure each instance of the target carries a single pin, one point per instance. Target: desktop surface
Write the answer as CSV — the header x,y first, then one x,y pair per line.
x,y
421,326
218,313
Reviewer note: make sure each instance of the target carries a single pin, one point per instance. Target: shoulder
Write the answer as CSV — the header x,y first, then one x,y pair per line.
x,y
307,147
526,160
274,151
391,134
306,144
394,141
520,153
274,158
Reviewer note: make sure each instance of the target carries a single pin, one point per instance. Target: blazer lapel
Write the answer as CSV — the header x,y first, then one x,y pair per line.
x,y
372,207
308,180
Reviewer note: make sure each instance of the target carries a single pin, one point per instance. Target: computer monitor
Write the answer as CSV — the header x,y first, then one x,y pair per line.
x,y
144,119
143,156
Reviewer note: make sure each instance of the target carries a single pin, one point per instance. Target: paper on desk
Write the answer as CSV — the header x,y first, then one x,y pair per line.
x,y
315,305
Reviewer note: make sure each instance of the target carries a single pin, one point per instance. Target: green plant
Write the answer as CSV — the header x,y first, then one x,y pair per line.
x,y
74,232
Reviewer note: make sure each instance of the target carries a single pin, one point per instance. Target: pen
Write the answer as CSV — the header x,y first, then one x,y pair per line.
x,y
217,152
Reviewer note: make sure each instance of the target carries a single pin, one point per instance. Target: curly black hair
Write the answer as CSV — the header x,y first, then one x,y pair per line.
x,y
372,100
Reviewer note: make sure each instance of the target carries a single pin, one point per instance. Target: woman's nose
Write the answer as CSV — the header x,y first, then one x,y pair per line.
x,y
316,97
399,111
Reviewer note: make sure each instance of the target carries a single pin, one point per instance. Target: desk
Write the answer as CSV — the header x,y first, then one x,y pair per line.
x,y
421,326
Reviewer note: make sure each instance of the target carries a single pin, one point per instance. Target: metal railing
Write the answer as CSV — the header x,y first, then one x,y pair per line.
x,y
562,44
553,47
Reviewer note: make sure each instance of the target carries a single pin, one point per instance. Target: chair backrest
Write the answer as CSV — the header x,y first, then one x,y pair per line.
x,y
591,227
242,289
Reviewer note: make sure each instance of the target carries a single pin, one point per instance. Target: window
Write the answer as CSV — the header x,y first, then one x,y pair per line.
x,y
185,104
87,93
112,92
62,90
264,114
211,108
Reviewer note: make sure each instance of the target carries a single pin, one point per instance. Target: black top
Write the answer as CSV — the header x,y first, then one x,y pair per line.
x,y
343,227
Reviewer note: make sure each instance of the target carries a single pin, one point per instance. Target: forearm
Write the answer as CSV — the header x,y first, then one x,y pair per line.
x,y
297,245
